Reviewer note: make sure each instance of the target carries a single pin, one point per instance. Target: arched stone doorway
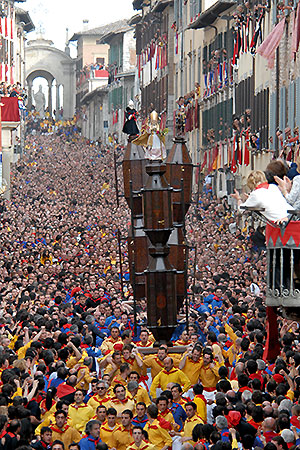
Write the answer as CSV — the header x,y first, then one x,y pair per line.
x,y
45,61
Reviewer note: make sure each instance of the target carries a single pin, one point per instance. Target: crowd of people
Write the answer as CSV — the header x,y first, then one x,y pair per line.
x,y
48,125
73,375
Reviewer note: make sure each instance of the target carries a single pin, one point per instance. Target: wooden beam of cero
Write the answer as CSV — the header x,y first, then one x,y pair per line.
x,y
154,350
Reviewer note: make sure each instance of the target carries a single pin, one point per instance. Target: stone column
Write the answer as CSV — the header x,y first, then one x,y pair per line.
x,y
29,101
7,154
57,100
50,97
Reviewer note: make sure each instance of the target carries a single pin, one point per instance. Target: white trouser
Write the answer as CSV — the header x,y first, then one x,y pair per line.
x,y
190,394
176,445
209,396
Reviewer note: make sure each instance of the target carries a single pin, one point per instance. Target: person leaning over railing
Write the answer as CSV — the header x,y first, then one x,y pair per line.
x,y
264,196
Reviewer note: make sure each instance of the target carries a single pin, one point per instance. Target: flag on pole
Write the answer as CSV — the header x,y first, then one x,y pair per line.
x,y
268,48
247,151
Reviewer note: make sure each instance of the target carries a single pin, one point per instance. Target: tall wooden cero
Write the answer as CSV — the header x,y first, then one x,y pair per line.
x,y
159,195
179,174
135,177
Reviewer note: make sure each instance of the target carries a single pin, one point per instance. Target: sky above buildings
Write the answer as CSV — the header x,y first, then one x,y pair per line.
x,y
52,18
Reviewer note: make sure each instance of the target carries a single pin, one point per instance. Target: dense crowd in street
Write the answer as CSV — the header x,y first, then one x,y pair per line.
x,y
72,376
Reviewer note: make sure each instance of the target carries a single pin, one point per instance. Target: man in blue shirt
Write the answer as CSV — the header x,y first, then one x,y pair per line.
x,y
141,417
93,435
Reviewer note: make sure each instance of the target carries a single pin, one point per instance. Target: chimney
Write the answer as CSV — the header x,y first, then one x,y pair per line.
x,y
85,24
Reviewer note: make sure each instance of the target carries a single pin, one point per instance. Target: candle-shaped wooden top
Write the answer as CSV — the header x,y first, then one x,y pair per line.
x,y
179,166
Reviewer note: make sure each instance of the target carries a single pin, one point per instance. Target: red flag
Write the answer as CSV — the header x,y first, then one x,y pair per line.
x,y
272,346
210,162
11,75
233,161
11,29
204,161
215,157
6,29
247,151
239,152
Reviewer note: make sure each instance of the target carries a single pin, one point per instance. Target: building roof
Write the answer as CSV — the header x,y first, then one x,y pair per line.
x,y
101,31
106,38
23,16
100,91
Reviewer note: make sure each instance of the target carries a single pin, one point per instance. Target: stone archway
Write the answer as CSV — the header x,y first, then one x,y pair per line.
x,y
46,61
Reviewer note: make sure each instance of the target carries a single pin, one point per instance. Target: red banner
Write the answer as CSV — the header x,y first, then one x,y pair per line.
x,y
10,110
292,230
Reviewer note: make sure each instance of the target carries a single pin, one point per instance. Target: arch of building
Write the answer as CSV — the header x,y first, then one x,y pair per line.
x,y
46,61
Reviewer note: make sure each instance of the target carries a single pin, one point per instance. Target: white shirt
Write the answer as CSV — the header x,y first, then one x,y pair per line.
x,y
271,200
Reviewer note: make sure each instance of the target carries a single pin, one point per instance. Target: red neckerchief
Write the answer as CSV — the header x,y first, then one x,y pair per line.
x,y
110,430
99,399
93,440
174,370
262,186
84,405
201,397
139,344
117,400
59,430
129,361
159,362
43,444
164,413
12,435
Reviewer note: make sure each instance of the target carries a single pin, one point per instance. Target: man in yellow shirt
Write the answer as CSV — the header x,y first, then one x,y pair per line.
x,y
190,364
108,343
158,436
122,438
200,401
100,397
139,443
109,427
191,421
79,412
62,431
83,375
169,375
144,339
120,402
209,371
121,378
155,362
